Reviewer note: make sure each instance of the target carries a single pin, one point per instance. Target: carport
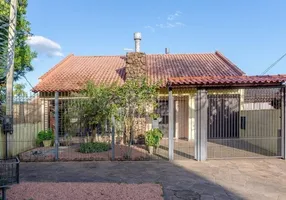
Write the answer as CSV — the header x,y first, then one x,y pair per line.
x,y
227,117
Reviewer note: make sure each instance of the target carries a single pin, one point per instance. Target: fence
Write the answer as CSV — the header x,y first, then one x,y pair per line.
x,y
27,114
245,123
76,135
238,123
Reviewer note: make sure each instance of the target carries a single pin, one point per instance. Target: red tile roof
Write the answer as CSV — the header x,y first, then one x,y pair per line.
x,y
74,71
161,67
227,80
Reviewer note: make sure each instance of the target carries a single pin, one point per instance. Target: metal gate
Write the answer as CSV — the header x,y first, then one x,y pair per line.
x,y
244,123
184,119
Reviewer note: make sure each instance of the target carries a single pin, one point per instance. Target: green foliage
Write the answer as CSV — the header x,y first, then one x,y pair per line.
x,y
23,53
135,98
100,106
44,135
94,147
94,110
19,90
154,115
153,137
126,103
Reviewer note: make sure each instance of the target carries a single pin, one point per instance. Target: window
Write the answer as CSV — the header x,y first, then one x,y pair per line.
x,y
163,110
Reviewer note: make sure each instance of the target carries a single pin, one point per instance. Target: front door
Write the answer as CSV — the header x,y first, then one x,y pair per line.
x,y
181,105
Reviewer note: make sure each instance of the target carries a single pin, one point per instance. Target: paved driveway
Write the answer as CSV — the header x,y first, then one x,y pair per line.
x,y
221,179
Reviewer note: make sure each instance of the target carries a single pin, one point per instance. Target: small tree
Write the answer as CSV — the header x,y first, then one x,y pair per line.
x,y
19,90
93,107
136,98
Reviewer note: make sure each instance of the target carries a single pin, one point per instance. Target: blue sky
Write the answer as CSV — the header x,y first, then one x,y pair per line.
x,y
252,34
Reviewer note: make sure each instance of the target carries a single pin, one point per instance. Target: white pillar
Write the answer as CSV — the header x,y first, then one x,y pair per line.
x,y
283,124
171,125
201,125
43,114
177,119
191,114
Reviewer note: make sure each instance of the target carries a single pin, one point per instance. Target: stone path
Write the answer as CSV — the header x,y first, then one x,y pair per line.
x,y
220,179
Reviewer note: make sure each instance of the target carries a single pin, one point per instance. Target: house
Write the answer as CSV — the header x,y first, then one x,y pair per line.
x,y
207,103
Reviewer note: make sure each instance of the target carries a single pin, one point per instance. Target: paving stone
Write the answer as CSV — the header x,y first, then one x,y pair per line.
x,y
223,179
222,197
187,195
207,197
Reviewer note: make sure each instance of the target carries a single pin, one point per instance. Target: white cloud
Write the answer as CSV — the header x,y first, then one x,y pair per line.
x,y
180,24
151,28
171,22
174,16
170,25
128,49
36,59
161,25
45,46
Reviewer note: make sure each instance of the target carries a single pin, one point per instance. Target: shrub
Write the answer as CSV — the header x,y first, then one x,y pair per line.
x,y
94,147
153,137
44,135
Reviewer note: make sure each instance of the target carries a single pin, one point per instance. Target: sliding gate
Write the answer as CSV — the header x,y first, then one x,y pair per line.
x,y
244,123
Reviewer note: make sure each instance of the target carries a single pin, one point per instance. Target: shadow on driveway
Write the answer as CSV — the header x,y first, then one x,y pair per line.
x,y
177,182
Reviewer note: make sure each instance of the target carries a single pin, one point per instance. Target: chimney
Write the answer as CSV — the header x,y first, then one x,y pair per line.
x,y
167,51
135,67
137,38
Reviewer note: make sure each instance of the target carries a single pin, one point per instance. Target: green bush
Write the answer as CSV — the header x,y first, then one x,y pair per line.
x,y
153,137
44,135
94,147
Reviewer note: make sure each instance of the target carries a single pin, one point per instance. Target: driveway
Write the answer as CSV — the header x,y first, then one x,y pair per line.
x,y
221,179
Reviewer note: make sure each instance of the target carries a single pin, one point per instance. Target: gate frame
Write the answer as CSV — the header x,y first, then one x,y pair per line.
x,y
283,111
201,116
283,122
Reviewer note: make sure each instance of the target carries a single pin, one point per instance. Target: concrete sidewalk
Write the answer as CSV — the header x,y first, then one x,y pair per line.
x,y
222,179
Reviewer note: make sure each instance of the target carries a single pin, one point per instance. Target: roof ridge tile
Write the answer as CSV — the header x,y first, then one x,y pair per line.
x,y
229,63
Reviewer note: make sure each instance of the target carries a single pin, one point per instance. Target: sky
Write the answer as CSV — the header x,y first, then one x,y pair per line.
x,y
252,34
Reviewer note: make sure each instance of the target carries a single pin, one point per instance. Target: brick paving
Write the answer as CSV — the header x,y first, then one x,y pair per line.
x,y
217,179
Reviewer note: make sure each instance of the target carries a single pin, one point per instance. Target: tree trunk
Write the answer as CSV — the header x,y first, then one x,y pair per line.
x,y
94,135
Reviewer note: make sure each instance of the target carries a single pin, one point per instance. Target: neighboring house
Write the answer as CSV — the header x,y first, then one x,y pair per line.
x,y
26,110
191,79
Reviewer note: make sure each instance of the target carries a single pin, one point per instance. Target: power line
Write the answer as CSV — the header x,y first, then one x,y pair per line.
x,y
28,82
275,63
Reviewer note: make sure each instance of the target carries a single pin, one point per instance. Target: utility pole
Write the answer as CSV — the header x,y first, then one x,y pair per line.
x,y
10,66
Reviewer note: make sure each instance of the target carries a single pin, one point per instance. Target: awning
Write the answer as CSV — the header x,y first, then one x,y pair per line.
x,y
227,81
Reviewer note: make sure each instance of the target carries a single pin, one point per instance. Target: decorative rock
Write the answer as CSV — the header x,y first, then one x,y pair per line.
x,y
129,61
136,65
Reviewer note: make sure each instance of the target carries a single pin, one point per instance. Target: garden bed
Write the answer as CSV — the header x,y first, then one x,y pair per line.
x,y
67,191
71,153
